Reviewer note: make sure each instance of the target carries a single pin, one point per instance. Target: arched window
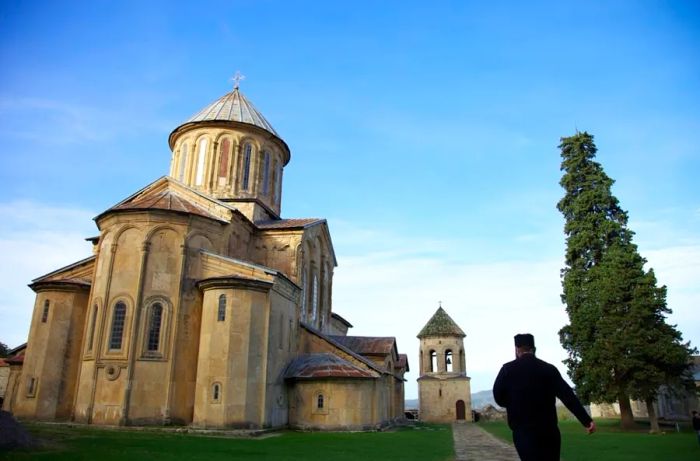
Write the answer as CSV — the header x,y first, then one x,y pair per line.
x,y
247,153
117,331
461,361
448,360
201,158
278,184
216,392
319,402
223,161
433,361
45,313
303,294
93,323
314,299
154,327
266,173
221,316
183,162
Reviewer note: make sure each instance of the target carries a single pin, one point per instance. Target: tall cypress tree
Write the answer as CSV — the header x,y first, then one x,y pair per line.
x,y
616,312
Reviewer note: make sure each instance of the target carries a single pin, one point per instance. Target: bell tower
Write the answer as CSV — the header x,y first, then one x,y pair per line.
x,y
443,386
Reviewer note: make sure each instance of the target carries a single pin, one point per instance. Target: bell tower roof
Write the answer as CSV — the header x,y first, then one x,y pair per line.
x,y
441,324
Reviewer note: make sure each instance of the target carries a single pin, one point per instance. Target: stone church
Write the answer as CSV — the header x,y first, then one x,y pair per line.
x,y
202,306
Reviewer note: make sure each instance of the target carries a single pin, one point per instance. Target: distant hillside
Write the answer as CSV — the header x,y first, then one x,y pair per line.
x,y
479,400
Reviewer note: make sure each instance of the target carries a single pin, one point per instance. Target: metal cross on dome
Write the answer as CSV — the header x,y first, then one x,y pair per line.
x,y
236,79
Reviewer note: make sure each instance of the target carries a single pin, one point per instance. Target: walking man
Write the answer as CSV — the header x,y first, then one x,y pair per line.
x,y
527,388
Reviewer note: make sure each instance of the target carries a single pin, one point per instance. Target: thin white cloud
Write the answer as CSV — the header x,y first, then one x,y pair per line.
x,y
35,239
386,293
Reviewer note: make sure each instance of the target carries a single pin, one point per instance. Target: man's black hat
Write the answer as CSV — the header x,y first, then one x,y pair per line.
x,y
525,340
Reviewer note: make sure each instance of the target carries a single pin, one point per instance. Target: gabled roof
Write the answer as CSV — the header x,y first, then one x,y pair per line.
x,y
325,365
441,324
402,362
368,345
169,194
78,273
343,348
298,223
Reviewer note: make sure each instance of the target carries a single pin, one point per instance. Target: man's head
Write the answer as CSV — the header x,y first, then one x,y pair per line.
x,y
524,344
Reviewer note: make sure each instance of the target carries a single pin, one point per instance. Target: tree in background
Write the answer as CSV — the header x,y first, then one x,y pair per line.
x,y
3,350
617,337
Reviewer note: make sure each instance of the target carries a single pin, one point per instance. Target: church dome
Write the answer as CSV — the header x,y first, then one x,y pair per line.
x,y
233,107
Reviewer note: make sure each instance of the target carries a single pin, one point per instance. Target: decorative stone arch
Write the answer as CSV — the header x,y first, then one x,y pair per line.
x,y
121,230
91,335
158,228
216,392
433,363
198,234
112,327
320,402
163,328
201,160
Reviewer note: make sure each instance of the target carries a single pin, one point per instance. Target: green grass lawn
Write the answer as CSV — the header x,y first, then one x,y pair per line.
x,y
609,443
422,442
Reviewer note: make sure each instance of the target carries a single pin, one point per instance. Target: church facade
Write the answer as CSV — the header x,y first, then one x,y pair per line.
x,y
202,306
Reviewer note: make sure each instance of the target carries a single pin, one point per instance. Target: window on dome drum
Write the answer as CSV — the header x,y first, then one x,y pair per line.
x,y
303,294
201,157
45,313
314,299
223,161
247,152
278,184
319,402
221,315
92,327
433,361
117,331
266,172
183,162
154,327
448,360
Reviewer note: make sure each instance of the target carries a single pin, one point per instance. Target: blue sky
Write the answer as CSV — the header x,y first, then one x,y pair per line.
x,y
426,134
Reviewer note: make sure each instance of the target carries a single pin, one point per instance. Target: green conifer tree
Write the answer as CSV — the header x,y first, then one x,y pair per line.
x,y
617,335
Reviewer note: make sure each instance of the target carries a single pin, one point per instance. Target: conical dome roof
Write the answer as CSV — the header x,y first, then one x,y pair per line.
x,y
441,324
232,107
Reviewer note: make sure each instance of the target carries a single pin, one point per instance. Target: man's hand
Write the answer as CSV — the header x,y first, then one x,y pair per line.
x,y
591,428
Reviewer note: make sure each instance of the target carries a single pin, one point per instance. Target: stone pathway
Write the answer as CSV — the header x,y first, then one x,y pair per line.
x,y
472,443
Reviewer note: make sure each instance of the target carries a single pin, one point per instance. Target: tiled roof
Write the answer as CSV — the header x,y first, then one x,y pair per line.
x,y
287,223
233,107
330,340
402,362
441,324
166,199
367,344
324,365
18,357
